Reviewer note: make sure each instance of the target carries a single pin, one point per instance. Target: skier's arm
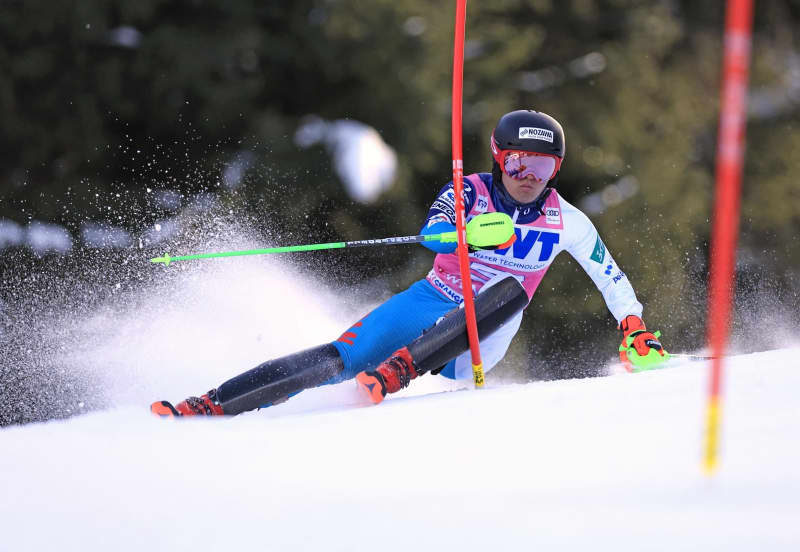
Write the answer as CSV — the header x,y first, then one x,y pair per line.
x,y
442,217
438,226
589,250
640,347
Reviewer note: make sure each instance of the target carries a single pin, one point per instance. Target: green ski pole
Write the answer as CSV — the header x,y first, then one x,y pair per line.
x,y
486,230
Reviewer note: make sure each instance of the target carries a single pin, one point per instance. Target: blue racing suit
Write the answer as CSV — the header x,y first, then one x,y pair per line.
x,y
544,229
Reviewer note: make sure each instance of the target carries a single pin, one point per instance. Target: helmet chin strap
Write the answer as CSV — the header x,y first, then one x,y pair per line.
x,y
537,204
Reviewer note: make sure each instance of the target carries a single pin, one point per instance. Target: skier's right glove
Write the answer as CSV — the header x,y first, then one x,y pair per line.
x,y
640,348
484,232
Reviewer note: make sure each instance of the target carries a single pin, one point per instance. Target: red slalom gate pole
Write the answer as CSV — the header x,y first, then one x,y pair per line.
x,y
458,188
730,157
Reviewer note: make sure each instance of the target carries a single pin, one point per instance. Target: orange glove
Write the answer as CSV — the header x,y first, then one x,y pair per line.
x,y
634,334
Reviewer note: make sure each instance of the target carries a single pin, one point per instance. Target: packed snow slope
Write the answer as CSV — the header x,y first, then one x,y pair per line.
x,y
608,463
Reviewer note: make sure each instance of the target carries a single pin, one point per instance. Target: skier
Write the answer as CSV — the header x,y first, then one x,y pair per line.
x,y
422,329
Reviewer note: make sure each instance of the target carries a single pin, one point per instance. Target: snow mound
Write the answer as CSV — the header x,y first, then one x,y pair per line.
x,y
594,464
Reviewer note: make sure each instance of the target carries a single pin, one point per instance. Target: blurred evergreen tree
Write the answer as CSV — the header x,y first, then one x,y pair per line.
x,y
103,100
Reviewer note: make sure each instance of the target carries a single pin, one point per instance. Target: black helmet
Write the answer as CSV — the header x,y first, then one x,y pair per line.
x,y
527,130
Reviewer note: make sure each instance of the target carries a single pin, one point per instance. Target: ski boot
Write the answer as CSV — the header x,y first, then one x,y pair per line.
x,y
389,377
206,405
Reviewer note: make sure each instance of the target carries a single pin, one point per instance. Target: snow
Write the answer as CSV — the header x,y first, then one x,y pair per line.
x,y
551,76
610,463
41,237
11,233
234,172
611,195
607,463
363,161
44,237
105,235
124,37
161,231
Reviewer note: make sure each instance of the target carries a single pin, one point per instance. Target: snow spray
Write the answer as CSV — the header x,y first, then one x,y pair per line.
x,y
97,329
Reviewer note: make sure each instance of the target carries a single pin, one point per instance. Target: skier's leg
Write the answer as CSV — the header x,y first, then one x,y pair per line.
x,y
363,346
389,326
493,349
276,380
494,308
395,323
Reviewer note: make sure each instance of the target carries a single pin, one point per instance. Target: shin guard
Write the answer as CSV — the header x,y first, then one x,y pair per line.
x,y
448,339
276,380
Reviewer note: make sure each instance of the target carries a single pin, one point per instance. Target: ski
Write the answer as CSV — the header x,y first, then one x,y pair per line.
x,y
675,359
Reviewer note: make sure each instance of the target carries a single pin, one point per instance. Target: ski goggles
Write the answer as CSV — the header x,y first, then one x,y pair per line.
x,y
521,164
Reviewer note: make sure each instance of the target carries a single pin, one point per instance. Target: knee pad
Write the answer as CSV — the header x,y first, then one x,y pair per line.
x,y
448,339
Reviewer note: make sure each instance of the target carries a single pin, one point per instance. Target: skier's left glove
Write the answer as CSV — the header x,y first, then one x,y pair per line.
x,y
640,348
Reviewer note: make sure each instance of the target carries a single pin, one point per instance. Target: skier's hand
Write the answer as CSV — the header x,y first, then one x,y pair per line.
x,y
639,347
489,231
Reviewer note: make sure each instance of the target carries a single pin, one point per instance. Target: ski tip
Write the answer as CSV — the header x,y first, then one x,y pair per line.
x,y
372,386
164,409
165,260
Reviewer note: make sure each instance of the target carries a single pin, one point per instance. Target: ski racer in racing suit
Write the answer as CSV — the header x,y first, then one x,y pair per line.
x,y
422,329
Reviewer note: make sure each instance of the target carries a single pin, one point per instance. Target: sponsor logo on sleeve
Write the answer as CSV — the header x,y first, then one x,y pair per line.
x,y
534,133
599,252
447,209
552,215
482,204
436,219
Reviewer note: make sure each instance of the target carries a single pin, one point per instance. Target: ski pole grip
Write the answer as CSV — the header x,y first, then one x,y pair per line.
x,y
490,230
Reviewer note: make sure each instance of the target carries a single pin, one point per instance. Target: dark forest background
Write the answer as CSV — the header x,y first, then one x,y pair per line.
x,y
103,102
